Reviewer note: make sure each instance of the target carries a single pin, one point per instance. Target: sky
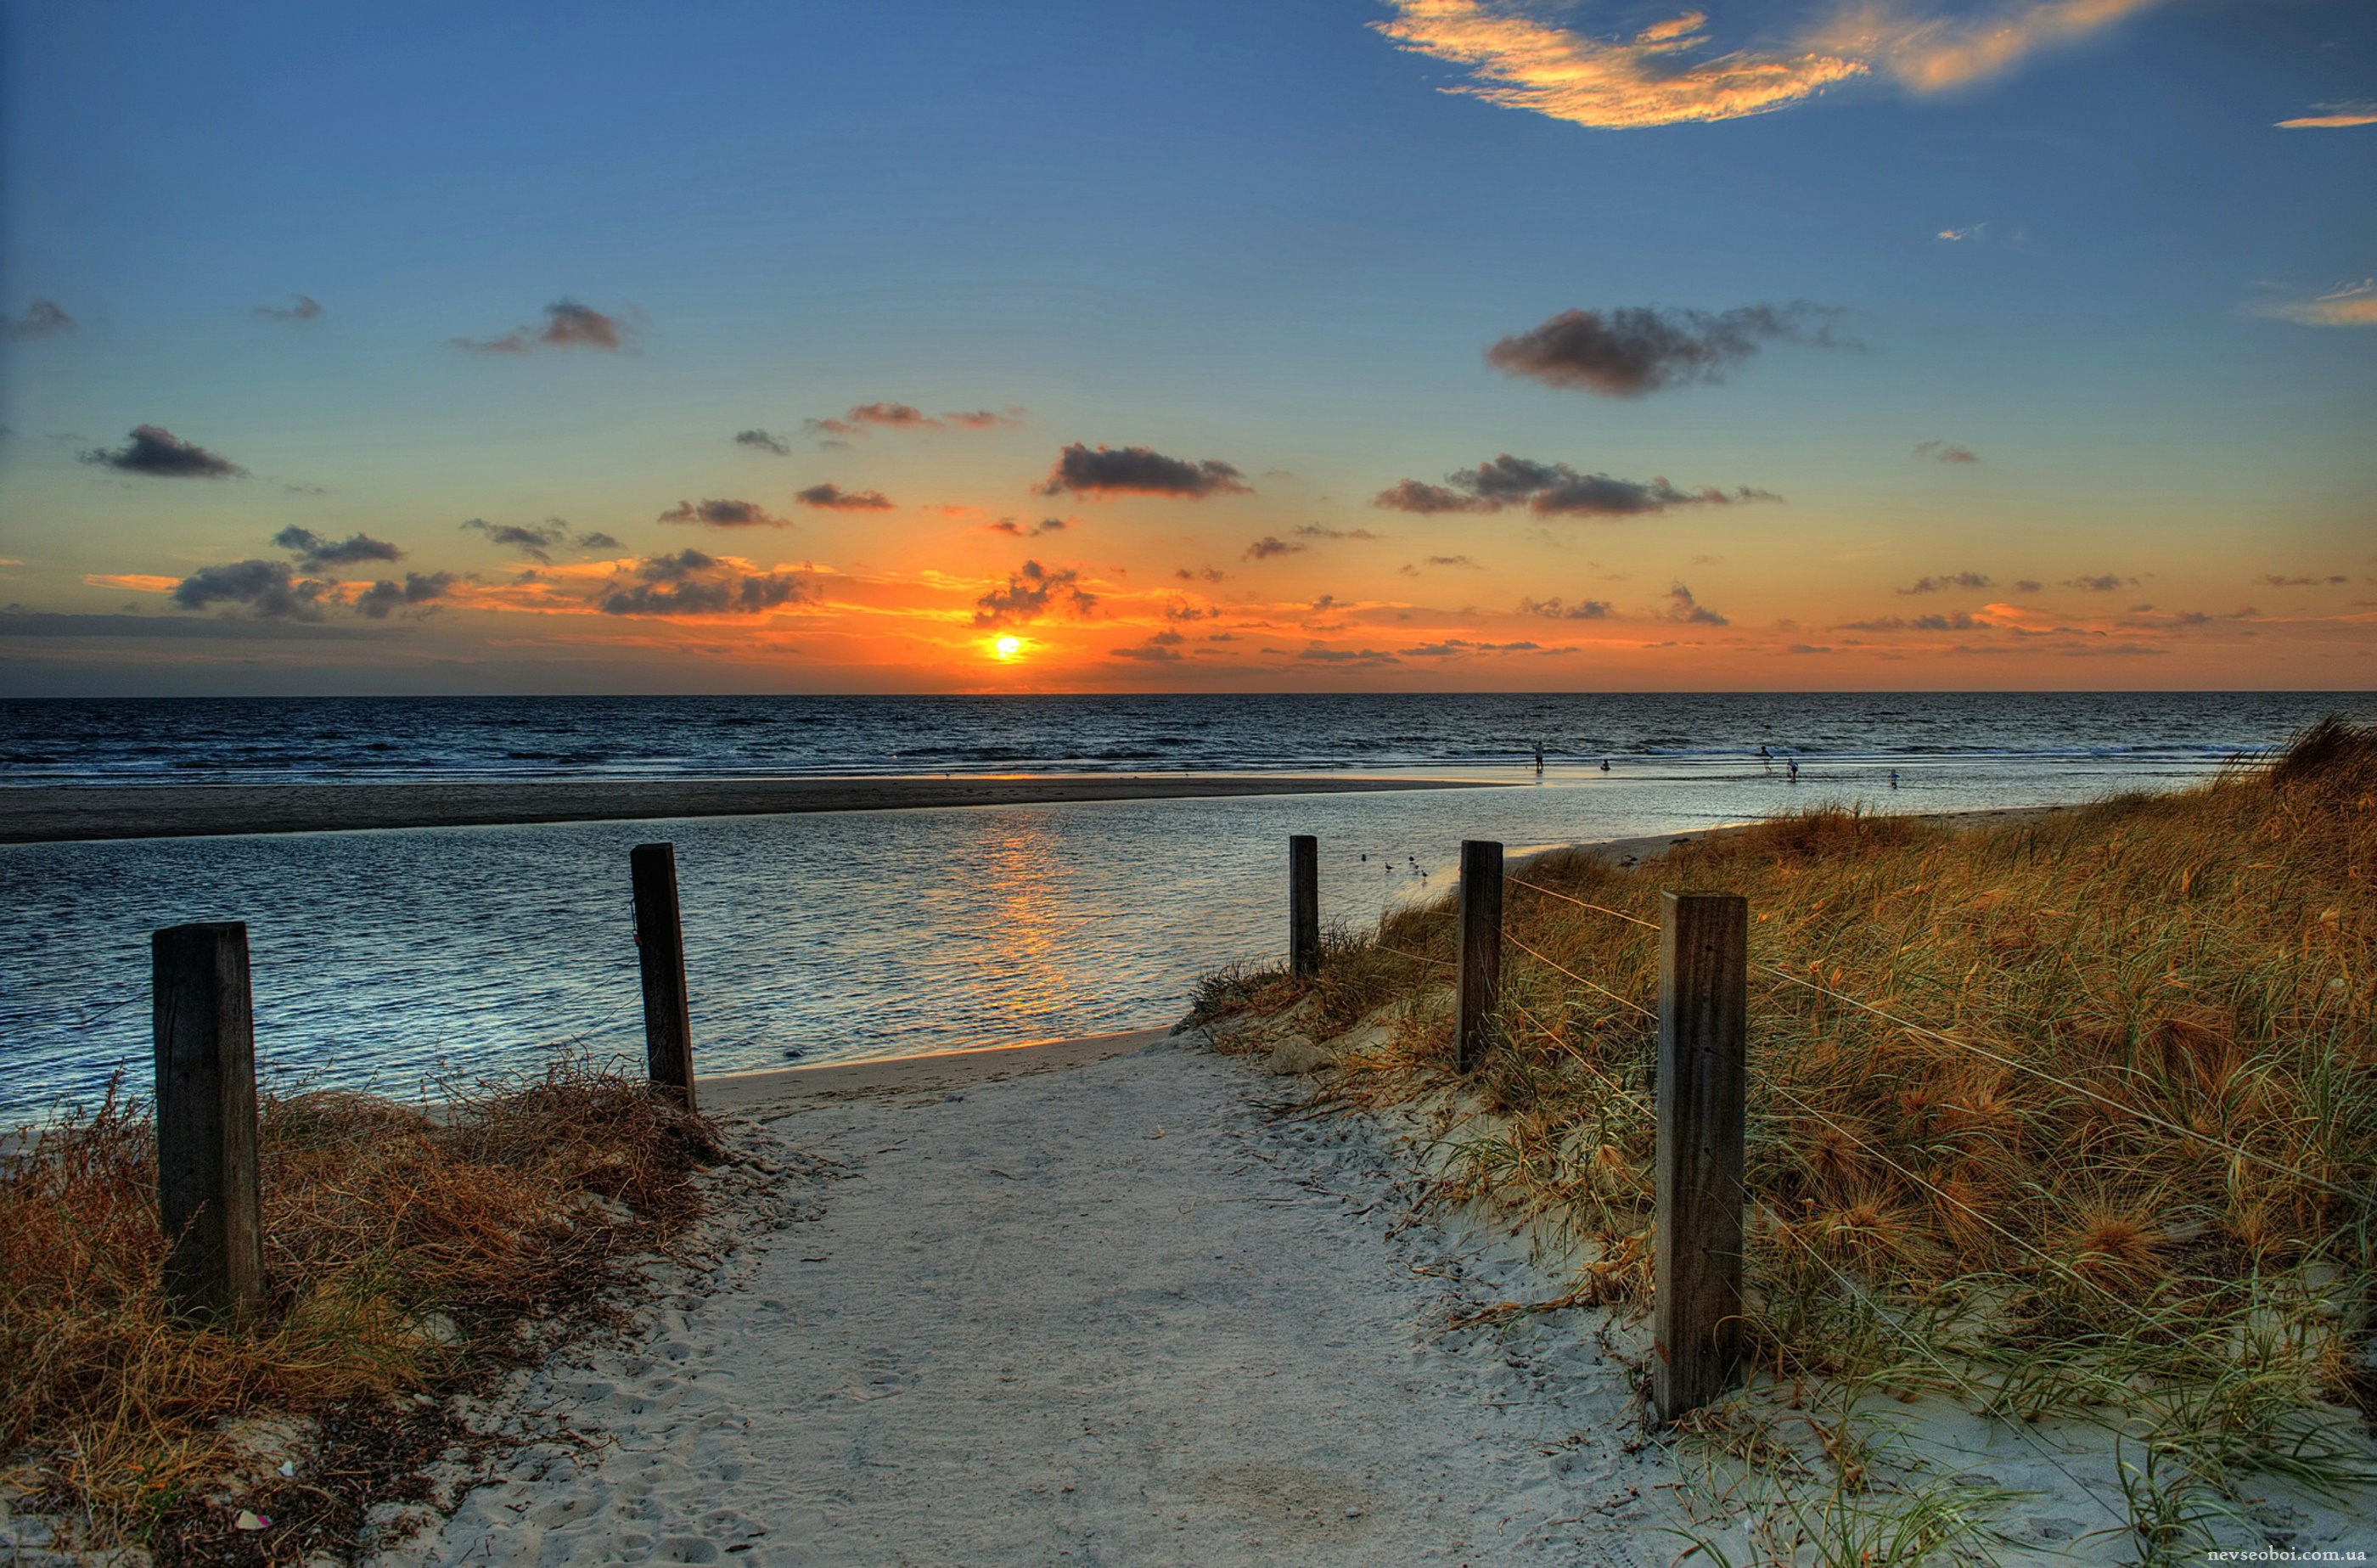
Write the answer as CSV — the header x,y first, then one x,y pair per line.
x,y
1347,344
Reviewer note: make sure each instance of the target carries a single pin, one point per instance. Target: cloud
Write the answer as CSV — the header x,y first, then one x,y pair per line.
x,y
1971,580
1453,646
2274,580
1957,622
304,309
316,553
1139,471
567,324
984,419
1636,350
739,514
1682,606
1557,609
764,441
1412,569
270,589
1267,547
1969,232
157,452
1032,592
1945,451
418,588
692,583
2029,585
1552,489
1314,530
1322,653
2333,117
1653,78
42,623
2105,583
1020,531
1162,648
2355,305
538,542
834,499
1184,610
1206,574
43,319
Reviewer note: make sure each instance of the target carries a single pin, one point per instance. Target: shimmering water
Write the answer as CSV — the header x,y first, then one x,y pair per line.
x,y
386,958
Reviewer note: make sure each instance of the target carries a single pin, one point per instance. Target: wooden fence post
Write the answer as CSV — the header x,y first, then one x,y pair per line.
x,y
208,1199
1303,905
1481,949
659,944
1703,1073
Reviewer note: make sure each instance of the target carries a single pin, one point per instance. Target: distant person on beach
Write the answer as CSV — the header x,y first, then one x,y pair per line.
x,y
1792,764
1539,756
1605,764
1894,778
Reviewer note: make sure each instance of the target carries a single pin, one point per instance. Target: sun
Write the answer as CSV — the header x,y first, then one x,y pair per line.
x,y
1008,647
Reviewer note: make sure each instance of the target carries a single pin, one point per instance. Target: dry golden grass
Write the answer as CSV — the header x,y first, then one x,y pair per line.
x,y
2139,1168
406,1256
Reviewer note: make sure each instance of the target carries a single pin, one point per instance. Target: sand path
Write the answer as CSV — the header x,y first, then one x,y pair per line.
x,y
1115,1313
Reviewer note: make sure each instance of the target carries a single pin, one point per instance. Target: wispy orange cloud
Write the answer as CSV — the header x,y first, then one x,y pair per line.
x,y
2353,305
1651,78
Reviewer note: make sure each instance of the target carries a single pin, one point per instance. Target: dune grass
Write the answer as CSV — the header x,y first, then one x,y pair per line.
x,y
2110,1157
408,1258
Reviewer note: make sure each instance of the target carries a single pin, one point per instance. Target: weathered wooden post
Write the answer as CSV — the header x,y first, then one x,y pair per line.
x,y
208,1199
1481,949
659,944
1703,1077
1303,905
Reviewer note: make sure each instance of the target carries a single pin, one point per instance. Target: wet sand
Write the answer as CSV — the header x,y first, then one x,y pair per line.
x,y
49,814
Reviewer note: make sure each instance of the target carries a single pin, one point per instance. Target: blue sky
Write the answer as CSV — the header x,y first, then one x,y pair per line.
x,y
1262,235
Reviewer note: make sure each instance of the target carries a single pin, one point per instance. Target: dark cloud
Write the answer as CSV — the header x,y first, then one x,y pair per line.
x,y
1322,653
731,514
418,588
1186,610
538,542
2275,580
1139,471
43,319
764,441
270,589
983,419
1945,451
1410,495
2029,585
692,583
1957,622
1970,579
1636,349
1267,547
1682,606
833,497
2104,584
1559,610
567,324
1163,648
1314,530
1206,574
1032,592
316,553
860,418
1553,489
1463,561
304,309
1021,530
157,452
1453,646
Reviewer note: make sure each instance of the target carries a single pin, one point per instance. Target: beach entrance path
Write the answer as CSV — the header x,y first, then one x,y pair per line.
x,y
1114,1312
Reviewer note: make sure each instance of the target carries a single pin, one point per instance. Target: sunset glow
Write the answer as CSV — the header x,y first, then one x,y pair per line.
x,y
1878,385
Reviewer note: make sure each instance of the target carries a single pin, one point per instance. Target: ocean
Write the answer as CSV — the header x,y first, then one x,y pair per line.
x,y
395,959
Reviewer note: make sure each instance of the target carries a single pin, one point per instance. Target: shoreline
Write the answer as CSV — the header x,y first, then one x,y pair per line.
x,y
72,813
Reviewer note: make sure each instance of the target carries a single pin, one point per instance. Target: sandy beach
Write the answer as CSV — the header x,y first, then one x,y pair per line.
x,y
1090,1302
47,814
